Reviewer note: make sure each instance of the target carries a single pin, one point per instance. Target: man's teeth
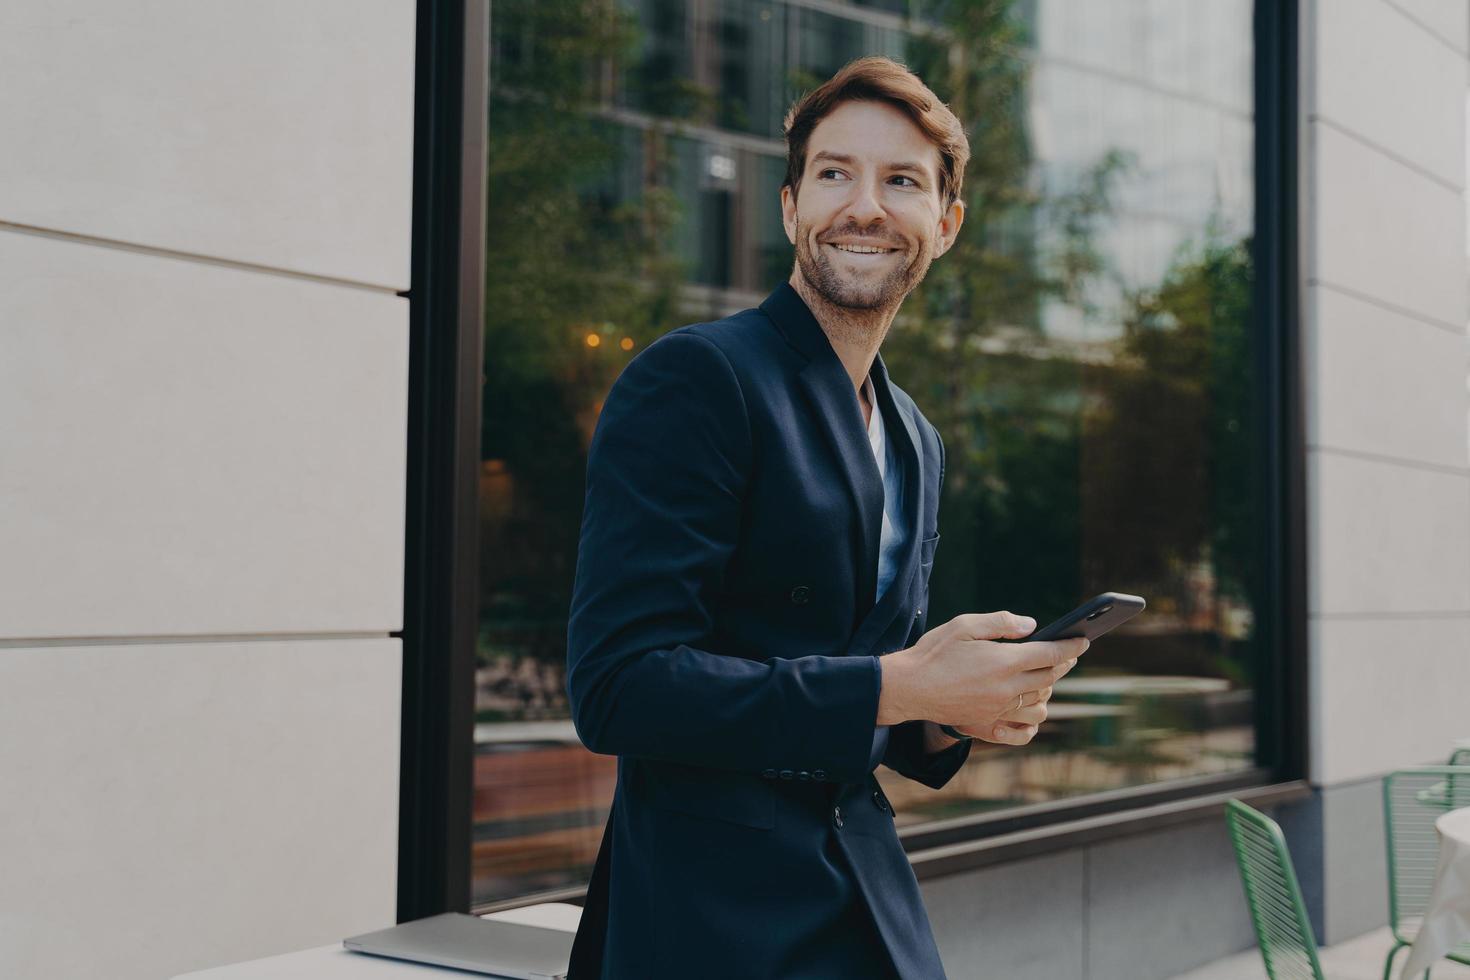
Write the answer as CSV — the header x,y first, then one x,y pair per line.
x,y
861,249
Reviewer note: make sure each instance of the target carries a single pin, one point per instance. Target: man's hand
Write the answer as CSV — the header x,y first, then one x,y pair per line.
x,y
1016,727
957,674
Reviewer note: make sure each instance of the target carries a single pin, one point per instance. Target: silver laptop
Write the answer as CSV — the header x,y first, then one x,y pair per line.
x,y
467,942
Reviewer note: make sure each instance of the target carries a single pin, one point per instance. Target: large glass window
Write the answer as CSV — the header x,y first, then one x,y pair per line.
x,y
1086,351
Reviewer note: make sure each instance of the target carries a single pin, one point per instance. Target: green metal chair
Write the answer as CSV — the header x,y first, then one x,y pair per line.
x,y
1460,757
1282,930
1412,800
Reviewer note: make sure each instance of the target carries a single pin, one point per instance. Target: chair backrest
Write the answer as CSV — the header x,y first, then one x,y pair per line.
x,y
1460,757
1273,895
1412,800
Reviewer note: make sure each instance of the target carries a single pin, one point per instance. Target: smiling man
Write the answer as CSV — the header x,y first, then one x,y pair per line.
x,y
747,628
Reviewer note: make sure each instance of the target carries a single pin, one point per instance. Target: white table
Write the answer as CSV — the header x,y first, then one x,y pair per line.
x,y
1447,917
336,963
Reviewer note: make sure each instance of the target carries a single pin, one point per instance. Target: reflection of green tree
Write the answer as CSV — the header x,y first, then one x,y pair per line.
x,y
1170,449
578,210
1169,422
968,343
1070,474
1065,476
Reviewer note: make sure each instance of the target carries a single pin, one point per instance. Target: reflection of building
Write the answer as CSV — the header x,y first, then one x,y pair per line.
x,y
1109,203
248,613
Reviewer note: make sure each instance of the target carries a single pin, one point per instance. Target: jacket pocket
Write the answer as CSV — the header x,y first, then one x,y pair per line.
x,y
714,794
926,550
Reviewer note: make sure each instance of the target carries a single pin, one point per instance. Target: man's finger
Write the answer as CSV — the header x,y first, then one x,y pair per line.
x,y
1032,714
1048,653
1001,625
1002,733
1041,677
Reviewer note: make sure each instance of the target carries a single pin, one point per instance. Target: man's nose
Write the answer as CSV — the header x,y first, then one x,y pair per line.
x,y
864,208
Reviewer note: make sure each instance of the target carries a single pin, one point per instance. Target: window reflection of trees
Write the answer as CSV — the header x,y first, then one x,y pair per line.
x,y
633,174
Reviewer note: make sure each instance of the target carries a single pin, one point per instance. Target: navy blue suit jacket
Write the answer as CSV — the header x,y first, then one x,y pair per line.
x,y
723,642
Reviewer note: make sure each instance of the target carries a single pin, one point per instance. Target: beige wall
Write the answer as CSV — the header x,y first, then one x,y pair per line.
x,y
1385,293
204,221
1384,307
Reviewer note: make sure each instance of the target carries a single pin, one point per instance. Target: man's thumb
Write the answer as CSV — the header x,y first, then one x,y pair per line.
x,y
1006,626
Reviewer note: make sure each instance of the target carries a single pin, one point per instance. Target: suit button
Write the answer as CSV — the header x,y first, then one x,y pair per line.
x,y
769,774
786,774
820,775
837,817
879,801
803,775
918,613
801,595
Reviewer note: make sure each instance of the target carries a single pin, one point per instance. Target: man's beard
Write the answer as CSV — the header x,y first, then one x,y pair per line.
x,y
837,289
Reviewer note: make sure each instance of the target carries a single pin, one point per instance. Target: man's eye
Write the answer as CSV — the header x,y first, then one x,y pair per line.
x,y
829,170
912,182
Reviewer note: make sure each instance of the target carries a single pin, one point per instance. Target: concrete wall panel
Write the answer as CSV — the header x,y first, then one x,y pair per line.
x,y
1412,104
1355,860
1164,902
194,449
187,805
1386,383
269,132
1024,920
1387,232
1448,20
1390,693
1386,538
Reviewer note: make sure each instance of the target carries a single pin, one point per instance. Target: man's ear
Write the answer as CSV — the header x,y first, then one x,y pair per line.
x,y
788,212
949,226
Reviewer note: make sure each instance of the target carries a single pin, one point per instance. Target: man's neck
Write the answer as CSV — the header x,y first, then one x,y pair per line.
x,y
855,335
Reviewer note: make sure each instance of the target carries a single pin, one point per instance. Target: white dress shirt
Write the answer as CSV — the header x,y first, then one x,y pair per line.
x,y
894,534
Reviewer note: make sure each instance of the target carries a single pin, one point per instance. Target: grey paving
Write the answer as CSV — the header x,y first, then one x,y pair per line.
x,y
1360,958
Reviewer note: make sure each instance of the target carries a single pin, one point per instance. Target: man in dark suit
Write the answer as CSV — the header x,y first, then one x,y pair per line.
x,y
747,629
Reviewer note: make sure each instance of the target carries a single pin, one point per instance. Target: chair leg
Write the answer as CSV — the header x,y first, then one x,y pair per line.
x,y
1388,964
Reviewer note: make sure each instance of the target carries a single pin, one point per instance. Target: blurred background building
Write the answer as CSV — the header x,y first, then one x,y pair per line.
x,y
308,311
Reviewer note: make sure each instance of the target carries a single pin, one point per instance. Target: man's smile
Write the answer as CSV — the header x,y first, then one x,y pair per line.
x,y
856,249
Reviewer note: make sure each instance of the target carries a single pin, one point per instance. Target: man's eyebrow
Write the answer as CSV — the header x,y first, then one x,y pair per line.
x,y
834,157
915,167
844,158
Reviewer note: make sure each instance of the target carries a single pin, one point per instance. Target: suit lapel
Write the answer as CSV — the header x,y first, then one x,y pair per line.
x,y
904,436
834,403
826,385
840,418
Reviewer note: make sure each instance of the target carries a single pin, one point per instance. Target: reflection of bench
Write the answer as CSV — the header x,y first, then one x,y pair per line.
x,y
560,732
540,801
1131,692
1127,685
1068,710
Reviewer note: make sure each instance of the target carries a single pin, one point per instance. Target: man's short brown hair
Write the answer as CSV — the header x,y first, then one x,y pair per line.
x,y
877,79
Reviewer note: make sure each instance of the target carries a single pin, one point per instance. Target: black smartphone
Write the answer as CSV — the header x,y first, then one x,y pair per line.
x,y
1091,619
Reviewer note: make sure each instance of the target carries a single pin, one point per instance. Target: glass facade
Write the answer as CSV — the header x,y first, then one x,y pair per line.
x,y
1086,350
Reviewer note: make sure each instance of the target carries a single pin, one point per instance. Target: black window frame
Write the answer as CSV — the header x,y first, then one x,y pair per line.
x,y
446,302
446,299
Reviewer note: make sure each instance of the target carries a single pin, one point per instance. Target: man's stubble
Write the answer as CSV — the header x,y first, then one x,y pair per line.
x,y
856,302
887,294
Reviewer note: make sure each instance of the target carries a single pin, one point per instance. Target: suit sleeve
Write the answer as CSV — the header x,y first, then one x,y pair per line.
x,y
905,754
667,473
